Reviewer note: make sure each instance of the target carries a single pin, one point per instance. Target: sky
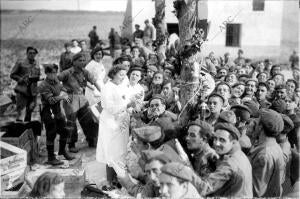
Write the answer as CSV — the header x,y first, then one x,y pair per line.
x,y
87,5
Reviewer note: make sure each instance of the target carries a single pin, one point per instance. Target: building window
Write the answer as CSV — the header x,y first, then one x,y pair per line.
x,y
258,5
233,32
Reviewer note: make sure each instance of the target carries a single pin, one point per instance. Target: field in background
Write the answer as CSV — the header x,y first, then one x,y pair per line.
x,y
47,31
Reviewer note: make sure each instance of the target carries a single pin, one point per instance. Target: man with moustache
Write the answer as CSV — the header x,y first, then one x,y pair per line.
x,y
251,88
233,174
198,135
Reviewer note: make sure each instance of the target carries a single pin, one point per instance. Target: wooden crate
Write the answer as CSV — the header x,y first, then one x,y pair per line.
x,y
12,165
20,140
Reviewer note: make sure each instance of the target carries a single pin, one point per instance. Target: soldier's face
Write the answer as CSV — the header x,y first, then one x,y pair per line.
x,y
262,92
224,91
135,76
222,142
281,93
156,107
193,139
80,62
167,89
150,73
153,171
271,84
215,104
158,78
250,88
238,91
290,105
170,187
290,86
262,77
31,54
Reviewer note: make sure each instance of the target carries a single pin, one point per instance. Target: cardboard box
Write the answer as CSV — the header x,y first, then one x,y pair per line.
x,y
12,165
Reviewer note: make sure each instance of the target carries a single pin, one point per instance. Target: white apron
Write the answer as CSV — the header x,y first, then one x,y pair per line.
x,y
114,123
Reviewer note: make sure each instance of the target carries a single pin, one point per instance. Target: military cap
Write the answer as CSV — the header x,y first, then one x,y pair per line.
x,y
78,56
263,84
279,105
148,133
242,107
214,94
253,80
288,124
227,116
237,84
206,128
158,96
31,48
49,68
279,87
262,73
224,83
230,128
149,155
152,68
253,106
177,170
272,121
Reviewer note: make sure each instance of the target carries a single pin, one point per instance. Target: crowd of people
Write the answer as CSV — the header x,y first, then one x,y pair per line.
x,y
240,140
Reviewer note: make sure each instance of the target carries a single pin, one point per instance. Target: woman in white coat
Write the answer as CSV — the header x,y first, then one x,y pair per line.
x,y
114,122
95,67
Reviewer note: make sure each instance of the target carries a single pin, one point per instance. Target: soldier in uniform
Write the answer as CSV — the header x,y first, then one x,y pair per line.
x,y
74,81
55,122
27,73
175,181
233,174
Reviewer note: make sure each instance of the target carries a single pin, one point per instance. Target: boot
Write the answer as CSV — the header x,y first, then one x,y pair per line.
x,y
72,148
62,151
51,156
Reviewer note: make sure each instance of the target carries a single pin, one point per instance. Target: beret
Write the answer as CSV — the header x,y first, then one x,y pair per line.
x,y
237,84
177,170
263,84
78,55
262,73
224,83
148,155
253,106
281,86
253,80
48,68
158,96
288,124
242,106
148,133
230,128
227,116
206,128
272,121
152,68
279,105
95,50
243,76
32,48
214,94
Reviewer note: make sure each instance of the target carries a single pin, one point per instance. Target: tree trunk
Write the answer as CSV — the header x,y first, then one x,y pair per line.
x,y
186,11
160,25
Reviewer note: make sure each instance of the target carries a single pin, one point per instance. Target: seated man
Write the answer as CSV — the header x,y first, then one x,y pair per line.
x,y
175,182
233,174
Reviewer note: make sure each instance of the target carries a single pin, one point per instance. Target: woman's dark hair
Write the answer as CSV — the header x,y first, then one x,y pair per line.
x,y
115,69
44,184
95,50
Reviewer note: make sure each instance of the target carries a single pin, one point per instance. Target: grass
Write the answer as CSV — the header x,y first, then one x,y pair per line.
x,y
47,31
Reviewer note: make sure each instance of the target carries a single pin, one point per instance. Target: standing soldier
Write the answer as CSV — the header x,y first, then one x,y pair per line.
x,y
27,73
94,38
75,80
65,61
55,122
